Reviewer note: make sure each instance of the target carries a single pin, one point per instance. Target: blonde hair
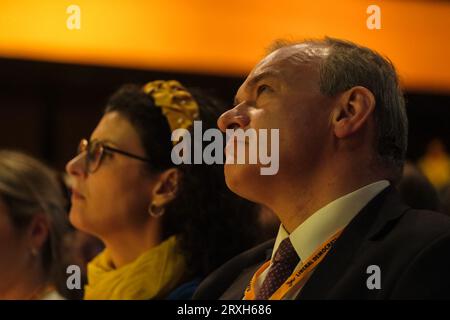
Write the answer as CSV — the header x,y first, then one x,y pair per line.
x,y
28,187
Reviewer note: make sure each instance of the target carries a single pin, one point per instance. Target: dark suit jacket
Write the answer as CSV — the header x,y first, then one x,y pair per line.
x,y
411,248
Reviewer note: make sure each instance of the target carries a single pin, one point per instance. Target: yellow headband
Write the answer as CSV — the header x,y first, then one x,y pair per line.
x,y
177,104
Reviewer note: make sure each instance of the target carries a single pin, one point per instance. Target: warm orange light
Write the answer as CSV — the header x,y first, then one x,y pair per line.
x,y
226,37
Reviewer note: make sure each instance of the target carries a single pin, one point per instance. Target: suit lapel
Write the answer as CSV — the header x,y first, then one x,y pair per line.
x,y
238,287
253,261
369,224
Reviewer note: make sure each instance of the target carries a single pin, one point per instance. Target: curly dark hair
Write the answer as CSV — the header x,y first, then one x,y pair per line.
x,y
213,223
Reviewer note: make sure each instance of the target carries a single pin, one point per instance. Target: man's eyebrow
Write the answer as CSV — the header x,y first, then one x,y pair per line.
x,y
253,81
266,74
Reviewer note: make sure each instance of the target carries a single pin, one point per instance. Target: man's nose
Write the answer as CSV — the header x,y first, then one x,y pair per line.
x,y
233,119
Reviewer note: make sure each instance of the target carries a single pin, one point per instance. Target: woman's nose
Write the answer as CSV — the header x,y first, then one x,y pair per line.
x,y
233,119
76,166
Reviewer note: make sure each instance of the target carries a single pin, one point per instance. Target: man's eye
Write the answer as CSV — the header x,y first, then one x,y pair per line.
x,y
262,88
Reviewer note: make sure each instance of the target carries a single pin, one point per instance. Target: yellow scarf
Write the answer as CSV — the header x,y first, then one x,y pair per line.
x,y
151,276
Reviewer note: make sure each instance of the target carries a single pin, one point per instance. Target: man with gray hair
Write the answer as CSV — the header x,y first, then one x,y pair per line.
x,y
344,233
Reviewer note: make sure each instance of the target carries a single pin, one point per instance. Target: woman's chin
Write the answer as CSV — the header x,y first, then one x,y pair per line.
x,y
76,219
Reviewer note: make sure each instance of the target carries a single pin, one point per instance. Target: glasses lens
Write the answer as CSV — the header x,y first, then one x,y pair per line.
x,y
94,156
82,146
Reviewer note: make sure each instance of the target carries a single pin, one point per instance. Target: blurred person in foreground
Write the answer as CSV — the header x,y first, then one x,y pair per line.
x,y
33,222
345,233
445,200
416,191
164,226
435,164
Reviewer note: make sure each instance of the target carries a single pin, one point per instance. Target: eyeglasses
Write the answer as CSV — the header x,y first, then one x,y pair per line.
x,y
95,151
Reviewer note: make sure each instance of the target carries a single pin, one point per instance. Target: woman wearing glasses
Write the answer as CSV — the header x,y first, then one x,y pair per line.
x,y
164,226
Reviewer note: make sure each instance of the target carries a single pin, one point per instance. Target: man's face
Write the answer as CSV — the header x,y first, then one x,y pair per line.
x,y
279,94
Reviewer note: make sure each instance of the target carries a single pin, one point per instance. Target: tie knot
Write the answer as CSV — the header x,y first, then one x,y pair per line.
x,y
286,253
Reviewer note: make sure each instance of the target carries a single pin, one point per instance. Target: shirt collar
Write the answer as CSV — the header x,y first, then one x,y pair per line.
x,y
321,225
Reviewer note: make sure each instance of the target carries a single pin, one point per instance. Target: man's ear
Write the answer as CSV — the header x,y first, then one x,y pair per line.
x,y
353,110
167,186
37,232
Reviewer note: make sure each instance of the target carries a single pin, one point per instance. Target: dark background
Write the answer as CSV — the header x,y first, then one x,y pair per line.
x,y
46,108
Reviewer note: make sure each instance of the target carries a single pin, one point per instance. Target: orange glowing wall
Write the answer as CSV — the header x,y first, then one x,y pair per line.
x,y
226,37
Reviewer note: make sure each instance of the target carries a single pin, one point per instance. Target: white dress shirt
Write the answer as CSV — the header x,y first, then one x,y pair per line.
x,y
323,224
